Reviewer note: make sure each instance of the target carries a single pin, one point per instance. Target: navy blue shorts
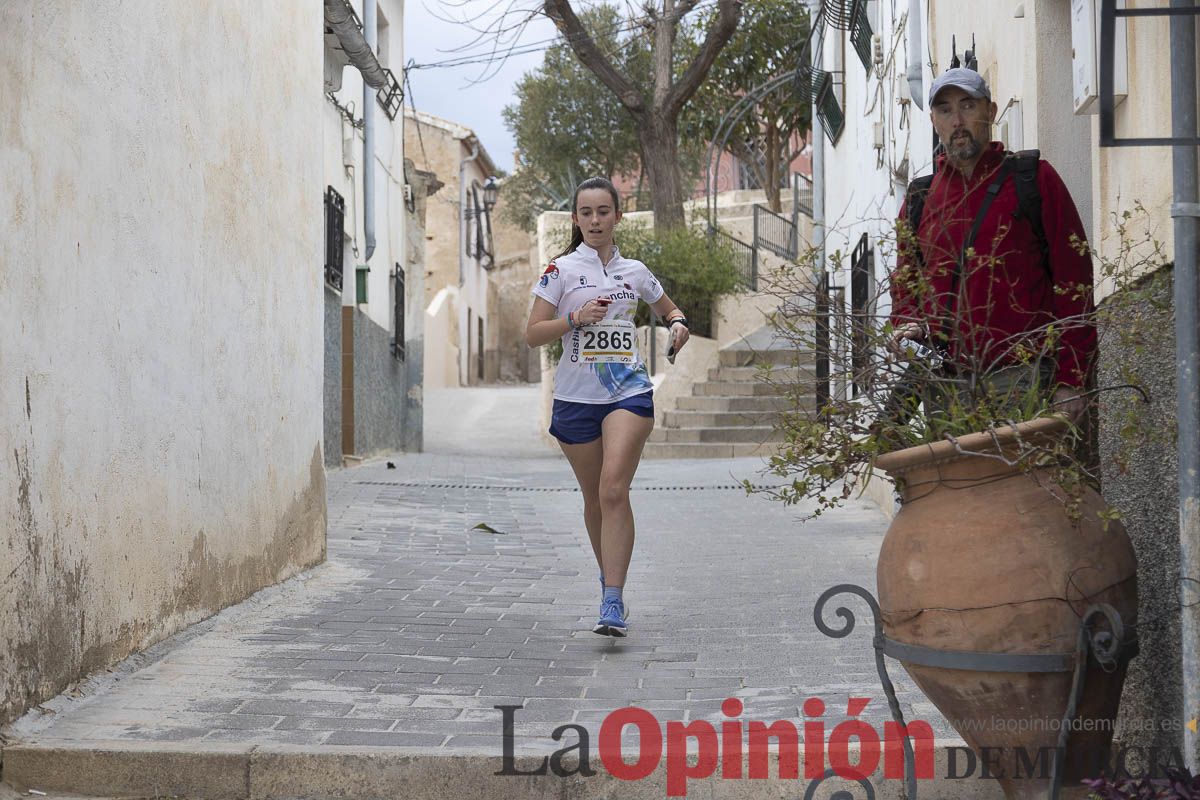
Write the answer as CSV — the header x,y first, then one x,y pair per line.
x,y
579,423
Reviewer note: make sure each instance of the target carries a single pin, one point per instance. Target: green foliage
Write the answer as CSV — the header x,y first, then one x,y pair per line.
x,y
765,46
694,270
568,126
905,399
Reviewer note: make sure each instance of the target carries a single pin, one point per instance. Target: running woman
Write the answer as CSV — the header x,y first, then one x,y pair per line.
x,y
603,406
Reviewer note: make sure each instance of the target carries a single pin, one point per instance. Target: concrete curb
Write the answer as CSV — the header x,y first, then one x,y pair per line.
x,y
121,769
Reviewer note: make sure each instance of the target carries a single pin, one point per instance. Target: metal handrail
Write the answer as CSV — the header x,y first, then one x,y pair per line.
x,y
775,232
746,256
802,195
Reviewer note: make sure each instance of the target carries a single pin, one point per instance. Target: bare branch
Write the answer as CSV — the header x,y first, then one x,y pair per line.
x,y
722,30
563,16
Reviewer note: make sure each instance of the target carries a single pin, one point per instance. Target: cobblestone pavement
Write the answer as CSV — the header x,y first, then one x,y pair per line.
x,y
420,623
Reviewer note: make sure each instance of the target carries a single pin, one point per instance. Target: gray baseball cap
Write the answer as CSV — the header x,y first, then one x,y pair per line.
x,y
968,80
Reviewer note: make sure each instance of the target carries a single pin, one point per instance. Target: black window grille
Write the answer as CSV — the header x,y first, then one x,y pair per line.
x,y
860,33
391,96
484,247
335,216
833,120
861,266
398,316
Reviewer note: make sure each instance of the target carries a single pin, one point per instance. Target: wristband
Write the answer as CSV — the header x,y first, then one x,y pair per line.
x,y
570,321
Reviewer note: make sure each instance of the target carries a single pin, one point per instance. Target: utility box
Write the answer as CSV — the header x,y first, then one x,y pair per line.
x,y
1085,56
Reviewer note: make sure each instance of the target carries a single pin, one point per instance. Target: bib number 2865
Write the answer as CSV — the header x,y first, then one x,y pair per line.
x,y
608,342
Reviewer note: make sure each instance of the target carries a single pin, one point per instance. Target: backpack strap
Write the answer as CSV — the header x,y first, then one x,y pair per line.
x,y
1029,200
914,206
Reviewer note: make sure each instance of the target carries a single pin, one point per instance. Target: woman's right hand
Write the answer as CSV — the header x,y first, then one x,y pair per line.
x,y
591,312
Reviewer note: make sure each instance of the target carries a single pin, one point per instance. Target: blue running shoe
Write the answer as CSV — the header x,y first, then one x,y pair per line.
x,y
612,619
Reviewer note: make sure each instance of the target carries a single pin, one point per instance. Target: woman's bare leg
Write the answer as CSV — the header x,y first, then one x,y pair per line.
x,y
586,460
624,435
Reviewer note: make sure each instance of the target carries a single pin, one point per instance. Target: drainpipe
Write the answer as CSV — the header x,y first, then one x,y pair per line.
x,y
368,111
818,157
915,49
1185,211
462,210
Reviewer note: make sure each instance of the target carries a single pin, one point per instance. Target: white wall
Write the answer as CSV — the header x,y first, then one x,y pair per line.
x,y
160,322
390,222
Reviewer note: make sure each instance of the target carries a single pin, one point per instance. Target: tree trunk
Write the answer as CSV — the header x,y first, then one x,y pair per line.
x,y
660,157
771,186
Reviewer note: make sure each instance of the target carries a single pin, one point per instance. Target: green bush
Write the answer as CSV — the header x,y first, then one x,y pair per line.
x,y
693,269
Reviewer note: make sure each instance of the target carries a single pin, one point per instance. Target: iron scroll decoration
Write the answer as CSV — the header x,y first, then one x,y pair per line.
x,y
841,794
847,616
1107,644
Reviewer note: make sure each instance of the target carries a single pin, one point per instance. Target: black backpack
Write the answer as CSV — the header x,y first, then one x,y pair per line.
x,y
1023,167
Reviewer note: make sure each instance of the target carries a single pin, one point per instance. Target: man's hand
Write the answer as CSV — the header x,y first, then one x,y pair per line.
x,y
909,330
1067,400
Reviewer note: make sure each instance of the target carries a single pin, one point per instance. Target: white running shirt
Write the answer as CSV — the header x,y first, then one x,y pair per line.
x,y
569,282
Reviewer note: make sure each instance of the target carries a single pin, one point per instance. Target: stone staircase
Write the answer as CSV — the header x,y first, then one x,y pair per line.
x,y
733,413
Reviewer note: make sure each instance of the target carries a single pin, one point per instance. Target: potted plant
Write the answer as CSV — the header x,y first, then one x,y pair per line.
x,y
1006,586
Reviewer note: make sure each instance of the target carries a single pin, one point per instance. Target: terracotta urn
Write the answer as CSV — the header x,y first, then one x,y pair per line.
x,y
984,558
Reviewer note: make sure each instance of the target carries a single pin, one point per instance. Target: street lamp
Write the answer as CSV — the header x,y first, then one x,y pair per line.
x,y
479,240
491,190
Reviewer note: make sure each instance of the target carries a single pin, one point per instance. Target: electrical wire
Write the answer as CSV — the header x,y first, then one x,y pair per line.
x,y
624,26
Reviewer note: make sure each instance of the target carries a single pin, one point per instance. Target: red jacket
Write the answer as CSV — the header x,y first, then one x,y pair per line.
x,y
1004,292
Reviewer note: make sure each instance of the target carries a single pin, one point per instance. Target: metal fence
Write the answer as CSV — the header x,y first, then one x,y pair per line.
x,y
802,194
775,232
745,256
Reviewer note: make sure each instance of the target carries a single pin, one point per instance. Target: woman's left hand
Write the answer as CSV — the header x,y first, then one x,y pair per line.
x,y
679,337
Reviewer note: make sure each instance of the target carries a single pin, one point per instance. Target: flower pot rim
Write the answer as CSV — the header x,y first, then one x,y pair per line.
x,y
1037,430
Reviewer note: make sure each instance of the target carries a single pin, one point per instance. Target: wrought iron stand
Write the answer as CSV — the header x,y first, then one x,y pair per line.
x,y
1107,646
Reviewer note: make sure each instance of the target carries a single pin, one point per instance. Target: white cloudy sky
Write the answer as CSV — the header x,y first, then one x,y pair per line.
x,y
449,92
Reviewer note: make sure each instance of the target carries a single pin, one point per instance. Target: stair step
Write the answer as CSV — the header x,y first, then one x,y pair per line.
x,y
706,450
719,419
715,403
754,435
737,389
746,357
778,373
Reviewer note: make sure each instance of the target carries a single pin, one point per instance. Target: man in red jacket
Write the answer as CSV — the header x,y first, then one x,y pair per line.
x,y
993,301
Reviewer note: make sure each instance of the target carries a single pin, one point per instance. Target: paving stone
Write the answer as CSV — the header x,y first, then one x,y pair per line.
x,y
414,628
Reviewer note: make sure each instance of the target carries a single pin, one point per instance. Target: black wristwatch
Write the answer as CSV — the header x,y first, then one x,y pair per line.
x,y
681,320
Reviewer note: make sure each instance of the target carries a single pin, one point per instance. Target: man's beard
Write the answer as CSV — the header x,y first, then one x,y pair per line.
x,y
964,148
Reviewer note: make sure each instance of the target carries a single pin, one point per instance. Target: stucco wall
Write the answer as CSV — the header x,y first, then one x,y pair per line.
x,y
160,322
1141,482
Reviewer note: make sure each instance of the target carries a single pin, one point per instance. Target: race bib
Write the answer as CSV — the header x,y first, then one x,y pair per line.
x,y
608,342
